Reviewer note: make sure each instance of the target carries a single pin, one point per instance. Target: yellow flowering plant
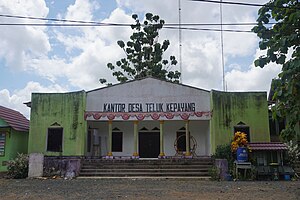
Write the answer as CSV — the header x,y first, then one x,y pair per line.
x,y
239,140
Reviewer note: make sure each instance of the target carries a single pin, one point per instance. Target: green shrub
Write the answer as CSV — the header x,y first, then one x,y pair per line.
x,y
18,168
223,152
214,173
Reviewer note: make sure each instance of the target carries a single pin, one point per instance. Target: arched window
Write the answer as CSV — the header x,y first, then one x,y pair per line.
x,y
242,127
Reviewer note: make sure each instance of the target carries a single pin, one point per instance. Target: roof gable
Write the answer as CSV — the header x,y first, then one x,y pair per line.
x,y
137,81
14,119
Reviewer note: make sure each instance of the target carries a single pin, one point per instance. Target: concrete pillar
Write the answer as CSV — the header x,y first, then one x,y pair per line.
x,y
36,164
187,139
109,153
135,139
161,131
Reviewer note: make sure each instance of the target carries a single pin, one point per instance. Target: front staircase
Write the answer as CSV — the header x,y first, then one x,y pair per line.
x,y
171,167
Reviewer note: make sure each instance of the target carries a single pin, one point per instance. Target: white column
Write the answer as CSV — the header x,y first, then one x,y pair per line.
x,y
109,153
135,139
187,139
161,131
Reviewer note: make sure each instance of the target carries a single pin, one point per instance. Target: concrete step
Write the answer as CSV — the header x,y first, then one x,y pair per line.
x,y
89,166
112,174
142,160
143,163
145,177
146,168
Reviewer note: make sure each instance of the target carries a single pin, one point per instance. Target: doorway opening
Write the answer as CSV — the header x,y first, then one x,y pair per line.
x,y
149,144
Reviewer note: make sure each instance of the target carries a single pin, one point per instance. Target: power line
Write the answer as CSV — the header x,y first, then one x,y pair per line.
x,y
60,24
244,4
210,29
230,3
123,25
79,23
218,24
48,19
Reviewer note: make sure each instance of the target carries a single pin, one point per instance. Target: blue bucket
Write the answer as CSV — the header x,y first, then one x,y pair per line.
x,y
287,177
241,154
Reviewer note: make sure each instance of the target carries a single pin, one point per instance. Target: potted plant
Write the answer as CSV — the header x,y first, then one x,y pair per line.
x,y
239,146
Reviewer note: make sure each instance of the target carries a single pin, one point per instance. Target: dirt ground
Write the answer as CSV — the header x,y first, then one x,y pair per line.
x,y
144,189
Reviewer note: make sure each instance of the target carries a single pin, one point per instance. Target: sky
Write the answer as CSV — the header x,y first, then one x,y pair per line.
x,y
63,59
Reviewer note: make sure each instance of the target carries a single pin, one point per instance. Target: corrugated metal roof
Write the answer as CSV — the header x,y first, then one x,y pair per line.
x,y
15,119
267,146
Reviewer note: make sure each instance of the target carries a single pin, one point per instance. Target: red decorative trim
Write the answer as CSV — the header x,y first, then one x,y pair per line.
x,y
169,115
97,116
207,114
155,116
184,116
111,116
199,114
142,116
86,115
125,116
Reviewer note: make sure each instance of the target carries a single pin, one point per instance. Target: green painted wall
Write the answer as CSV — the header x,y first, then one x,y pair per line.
x,y
15,142
230,108
66,109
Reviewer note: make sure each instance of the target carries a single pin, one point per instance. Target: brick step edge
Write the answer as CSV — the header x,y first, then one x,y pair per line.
x,y
143,174
145,177
147,167
145,170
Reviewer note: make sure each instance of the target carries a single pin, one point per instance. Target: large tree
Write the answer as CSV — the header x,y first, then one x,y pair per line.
x,y
144,53
279,32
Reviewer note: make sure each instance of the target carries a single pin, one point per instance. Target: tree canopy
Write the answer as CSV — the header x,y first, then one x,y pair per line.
x,y
278,29
144,53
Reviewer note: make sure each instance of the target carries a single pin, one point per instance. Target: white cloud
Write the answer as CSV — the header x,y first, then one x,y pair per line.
x,y
82,10
19,43
17,98
113,34
51,69
97,46
253,79
201,50
234,66
201,66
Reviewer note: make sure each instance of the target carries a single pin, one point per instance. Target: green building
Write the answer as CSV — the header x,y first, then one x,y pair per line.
x,y
145,118
14,128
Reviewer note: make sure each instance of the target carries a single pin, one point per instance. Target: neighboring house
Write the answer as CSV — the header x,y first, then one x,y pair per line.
x,y
14,128
145,118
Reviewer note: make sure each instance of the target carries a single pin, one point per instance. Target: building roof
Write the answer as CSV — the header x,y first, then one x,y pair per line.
x,y
267,146
14,119
144,78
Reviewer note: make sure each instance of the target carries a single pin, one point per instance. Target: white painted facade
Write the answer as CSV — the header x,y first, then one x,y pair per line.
x,y
149,101
198,129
